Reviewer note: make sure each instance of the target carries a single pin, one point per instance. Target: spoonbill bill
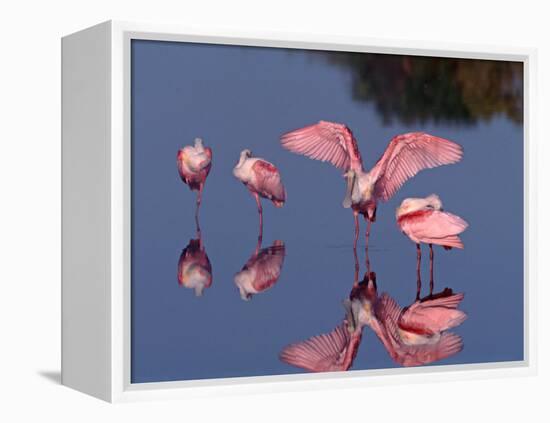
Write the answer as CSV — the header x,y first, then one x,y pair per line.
x,y
194,163
405,156
262,179
424,221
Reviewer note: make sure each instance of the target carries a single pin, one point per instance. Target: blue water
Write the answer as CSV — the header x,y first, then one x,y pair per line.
x,y
242,97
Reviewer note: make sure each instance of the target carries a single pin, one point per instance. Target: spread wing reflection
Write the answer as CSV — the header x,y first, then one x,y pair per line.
x,y
194,268
328,352
261,271
336,350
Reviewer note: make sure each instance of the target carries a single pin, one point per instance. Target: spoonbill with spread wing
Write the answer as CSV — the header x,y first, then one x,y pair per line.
x,y
405,156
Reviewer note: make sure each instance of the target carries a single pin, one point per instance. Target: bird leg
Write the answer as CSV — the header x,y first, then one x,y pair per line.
x,y
418,279
367,260
431,270
356,276
367,234
199,199
260,212
356,219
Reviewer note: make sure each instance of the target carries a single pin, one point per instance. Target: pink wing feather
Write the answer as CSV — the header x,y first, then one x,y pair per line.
x,y
408,154
434,227
434,315
268,264
416,355
325,141
267,182
322,353
389,313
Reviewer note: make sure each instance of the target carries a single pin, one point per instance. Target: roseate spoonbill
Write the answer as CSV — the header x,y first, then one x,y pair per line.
x,y
424,221
262,180
329,352
194,163
261,271
194,268
405,156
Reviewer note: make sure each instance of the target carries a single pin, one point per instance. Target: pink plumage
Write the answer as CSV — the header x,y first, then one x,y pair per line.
x,y
433,315
408,154
330,352
428,342
405,156
325,141
433,227
261,271
262,179
424,221
194,268
194,164
266,181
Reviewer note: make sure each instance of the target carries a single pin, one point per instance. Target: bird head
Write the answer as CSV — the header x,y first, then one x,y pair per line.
x,y
198,142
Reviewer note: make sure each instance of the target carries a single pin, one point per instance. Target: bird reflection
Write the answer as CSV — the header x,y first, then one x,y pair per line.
x,y
194,268
262,270
334,351
329,352
413,335
416,334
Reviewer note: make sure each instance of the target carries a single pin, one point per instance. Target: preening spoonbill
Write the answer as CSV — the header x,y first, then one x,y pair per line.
x,y
262,180
424,221
194,163
405,156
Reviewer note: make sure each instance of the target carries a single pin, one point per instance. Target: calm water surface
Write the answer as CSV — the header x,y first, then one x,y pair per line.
x,y
236,98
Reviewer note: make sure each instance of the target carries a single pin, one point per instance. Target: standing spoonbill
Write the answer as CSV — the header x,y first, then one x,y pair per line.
x,y
405,156
424,221
262,180
194,163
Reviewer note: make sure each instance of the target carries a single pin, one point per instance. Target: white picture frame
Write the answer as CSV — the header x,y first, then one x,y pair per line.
x,y
96,226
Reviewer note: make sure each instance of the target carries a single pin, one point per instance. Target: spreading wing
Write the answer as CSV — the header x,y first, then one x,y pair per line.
x,y
320,353
324,141
267,181
432,316
408,154
268,265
